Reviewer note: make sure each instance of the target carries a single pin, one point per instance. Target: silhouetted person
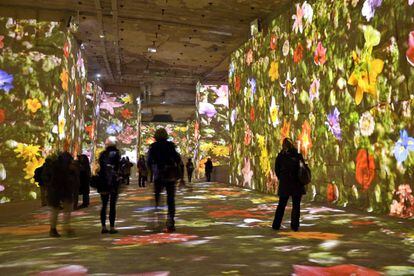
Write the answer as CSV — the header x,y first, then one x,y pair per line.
x,y
109,163
126,170
164,162
190,169
181,166
142,171
39,179
208,169
84,177
64,182
287,168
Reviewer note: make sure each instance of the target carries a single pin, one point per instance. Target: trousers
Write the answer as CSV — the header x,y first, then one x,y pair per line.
x,y
295,215
112,199
159,185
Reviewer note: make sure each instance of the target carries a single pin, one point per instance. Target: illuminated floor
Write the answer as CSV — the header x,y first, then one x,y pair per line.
x,y
220,230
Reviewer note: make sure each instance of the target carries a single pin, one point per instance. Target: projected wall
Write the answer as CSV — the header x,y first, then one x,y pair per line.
x,y
338,78
178,133
42,84
211,127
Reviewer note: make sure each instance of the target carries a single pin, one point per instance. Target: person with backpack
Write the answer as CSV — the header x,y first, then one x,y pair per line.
x,y
109,182
208,169
190,169
142,171
164,161
287,168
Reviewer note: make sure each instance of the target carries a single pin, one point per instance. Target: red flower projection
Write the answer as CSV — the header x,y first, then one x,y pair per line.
x,y
66,49
237,83
365,169
273,41
78,89
331,192
2,115
1,41
126,114
338,270
319,56
298,53
160,238
305,138
252,116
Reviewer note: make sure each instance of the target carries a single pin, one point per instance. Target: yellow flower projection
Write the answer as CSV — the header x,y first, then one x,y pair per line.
x,y
27,152
206,146
221,151
274,71
64,77
127,99
31,166
61,124
366,80
33,105
274,111
264,155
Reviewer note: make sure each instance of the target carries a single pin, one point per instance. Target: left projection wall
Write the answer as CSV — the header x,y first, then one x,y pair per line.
x,y
42,100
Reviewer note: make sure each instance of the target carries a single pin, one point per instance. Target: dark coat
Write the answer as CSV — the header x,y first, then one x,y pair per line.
x,y
84,176
286,168
109,172
161,154
64,180
190,167
208,166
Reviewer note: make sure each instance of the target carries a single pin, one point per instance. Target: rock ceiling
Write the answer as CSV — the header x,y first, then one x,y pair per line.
x,y
193,39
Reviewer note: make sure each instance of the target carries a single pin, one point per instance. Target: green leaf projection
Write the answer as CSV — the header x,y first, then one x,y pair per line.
x,y
211,126
42,100
338,78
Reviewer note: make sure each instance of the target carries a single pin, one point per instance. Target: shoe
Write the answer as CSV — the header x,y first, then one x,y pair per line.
x,y
296,229
54,233
276,228
113,231
170,229
170,225
104,231
70,233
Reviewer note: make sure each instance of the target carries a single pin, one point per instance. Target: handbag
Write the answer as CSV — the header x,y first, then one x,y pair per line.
x,y
304,173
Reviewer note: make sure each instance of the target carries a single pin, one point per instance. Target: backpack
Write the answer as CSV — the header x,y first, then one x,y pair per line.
x,y
304,173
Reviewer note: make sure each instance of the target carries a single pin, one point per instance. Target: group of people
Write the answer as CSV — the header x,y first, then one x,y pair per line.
x,y
62,179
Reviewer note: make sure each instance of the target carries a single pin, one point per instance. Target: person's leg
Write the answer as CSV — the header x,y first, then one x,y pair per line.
x,y
75,199
104,199
67,209
295,216
279,212
144,178
157,192
170,187
112,212
43,195
54,212
127,179
85,197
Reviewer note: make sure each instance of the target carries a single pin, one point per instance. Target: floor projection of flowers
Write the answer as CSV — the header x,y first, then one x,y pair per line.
x,y
338,78
43,80
220,230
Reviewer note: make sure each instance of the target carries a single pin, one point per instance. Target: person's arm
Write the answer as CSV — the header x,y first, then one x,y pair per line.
x,y
277,166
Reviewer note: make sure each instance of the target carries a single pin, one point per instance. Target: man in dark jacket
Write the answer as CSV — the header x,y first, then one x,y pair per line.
x,y
109,182
164,162
287,168
208,169
84,177
190,169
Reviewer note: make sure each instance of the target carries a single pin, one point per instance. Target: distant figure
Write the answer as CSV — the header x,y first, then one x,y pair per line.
x,y
287,168
61,190
109,163
181,167
208,169
142,171
190,169
126,169
164,162
85,177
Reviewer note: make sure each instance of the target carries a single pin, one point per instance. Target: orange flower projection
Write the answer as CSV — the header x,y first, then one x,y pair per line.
x,y
64,77
273,42
365,169
312,235
90,130
2,115
252,115
284,132
126,114
331,192
298,53
237,83
305,138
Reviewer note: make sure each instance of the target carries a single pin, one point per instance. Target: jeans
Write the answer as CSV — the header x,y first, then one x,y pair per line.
x,y
54,213
141,180
111,198
295,216
170,187
190,175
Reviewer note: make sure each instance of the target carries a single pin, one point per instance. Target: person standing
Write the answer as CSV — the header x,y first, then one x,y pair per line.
x,y
109,182
208,169
287,169
164,161
190,169
84,177
39,179
126,170
142,171
61,190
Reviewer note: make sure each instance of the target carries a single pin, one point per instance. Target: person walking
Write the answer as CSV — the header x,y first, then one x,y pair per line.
x,y
109,182
63,183
208,169
287,169
164,161
84,177
190,169
142,171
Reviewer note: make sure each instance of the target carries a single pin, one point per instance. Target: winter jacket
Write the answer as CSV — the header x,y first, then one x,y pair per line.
x,y
109,172
163,154
286,168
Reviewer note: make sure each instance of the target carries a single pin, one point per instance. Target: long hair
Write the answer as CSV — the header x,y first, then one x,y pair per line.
x,y
287,144
160,134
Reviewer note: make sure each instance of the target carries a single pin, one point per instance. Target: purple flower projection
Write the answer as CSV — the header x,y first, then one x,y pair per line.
x,y
403,146
252,83
368,9
113,129
222,95
207,109
333,123
6,81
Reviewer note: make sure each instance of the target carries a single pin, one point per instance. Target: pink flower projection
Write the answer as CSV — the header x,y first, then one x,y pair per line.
x,y
410,51
338,270
127,135
69,270
222,95
207,109
108,103
247,173
319,56
403,204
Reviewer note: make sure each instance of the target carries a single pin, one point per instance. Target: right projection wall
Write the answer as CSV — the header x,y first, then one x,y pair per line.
x,y
338,78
